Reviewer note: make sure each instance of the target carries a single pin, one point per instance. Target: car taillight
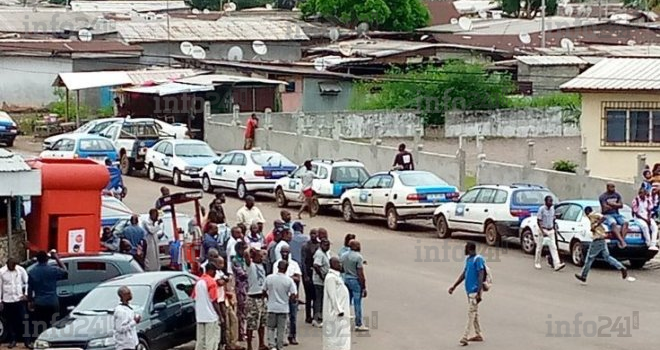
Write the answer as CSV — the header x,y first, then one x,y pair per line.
x,y
520,213
261,173
416,197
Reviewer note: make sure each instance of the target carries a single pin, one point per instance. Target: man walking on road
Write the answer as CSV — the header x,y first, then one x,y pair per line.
x,y
336,305
280,288
598,247
307,181
13,289
308,250
546,221
473,275
250,131
353,264
125,321
321,267
404,159
207,310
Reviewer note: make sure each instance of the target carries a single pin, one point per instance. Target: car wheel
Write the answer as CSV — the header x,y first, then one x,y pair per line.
x,y
493,237
176,177
241,190
577,253
280,198
392,218
442,227
3,330
142,345
206,184
637,264
527,242
151,172
125,165
316,207
347,211
10,143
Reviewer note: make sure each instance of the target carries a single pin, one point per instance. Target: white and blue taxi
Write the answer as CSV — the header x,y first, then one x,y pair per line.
x,y
333,178
181,160
397,196
246,171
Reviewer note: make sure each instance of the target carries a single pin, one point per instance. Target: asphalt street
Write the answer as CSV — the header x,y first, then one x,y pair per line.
x,y
408,306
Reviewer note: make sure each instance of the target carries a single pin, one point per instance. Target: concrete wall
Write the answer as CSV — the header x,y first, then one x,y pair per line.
x,y
288,51
546,79
349,125
530,122
607,161
314,101
27,81
18,247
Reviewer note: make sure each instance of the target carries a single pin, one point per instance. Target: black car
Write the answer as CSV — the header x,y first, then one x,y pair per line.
x,y
163,299
86,271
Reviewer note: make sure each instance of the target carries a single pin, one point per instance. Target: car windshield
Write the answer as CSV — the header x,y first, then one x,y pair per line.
x,y
194,150
139,129
270,159
531,197
112,207
104,299
354,174
99,127
96,145
421,179
626,211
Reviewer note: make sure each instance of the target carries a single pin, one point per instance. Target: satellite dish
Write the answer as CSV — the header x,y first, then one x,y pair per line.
x,y
269,7
483,14
235,54
160,16
587,11
567,44
195,11
568,11
206,11
198,53
333,34
453,21
362,29
151,14
525,38
424,37
631,43
230,6
186,48
345,49
465,23
320,64
84,35
259,47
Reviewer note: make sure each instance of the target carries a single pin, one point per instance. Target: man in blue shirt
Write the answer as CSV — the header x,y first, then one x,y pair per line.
x,y
474,275
134,233
297,242
42,291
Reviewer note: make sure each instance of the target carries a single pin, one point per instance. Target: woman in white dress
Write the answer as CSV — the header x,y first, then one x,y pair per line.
x,y
336,310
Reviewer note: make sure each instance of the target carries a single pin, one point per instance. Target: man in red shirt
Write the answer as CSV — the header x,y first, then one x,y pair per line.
x,y
250,128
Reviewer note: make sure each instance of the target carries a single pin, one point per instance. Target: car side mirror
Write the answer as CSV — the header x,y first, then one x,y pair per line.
x,y
159,307
216,162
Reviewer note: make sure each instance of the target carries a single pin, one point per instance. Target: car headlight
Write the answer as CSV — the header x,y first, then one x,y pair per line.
x,y
102,343
191,169
41,344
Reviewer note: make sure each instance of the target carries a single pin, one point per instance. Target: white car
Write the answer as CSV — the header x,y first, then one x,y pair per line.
x,y
398,196
93,127
181,160
574,234
176,130
80,145
494,210
246,171
334,178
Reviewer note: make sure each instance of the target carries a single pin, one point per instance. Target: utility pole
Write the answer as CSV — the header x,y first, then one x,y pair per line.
x,y
543,24
169,43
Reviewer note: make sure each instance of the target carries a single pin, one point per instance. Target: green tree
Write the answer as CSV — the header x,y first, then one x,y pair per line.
x,y
391,15
434,90
530,9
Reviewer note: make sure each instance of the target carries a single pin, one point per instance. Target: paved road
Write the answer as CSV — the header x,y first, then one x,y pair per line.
x,y
409,307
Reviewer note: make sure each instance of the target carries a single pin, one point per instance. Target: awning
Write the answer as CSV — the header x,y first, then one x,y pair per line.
x,y
88,80
218,79
329,88
169,89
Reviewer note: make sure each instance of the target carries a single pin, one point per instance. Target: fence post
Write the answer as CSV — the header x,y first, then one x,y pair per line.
x,y
419,145
269,127
460,156
583,160
375,140
480,165
641,165
207,117
530,153
336,130
234,117
300,124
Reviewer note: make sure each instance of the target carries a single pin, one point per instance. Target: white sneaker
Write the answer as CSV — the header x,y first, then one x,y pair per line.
x,y
317,324
537,266
653,247
362,329
560,266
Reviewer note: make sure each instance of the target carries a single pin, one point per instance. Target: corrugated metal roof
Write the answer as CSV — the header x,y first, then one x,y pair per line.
x,y
374,48
10,162
512,26
125,6
169,89
551,60
67,46
45,21
87,80
225,29
618,74
139,77
210,79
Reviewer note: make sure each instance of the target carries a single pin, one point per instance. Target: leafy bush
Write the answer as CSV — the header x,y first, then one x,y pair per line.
x,y
557,99
565,166
387,15
59,107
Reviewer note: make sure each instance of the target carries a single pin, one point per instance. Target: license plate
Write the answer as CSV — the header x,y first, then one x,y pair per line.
x,y
435,196
634,235
280,173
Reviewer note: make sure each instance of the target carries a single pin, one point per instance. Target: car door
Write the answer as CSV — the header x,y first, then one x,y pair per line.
x,y
156,156
364,204
219,175
67,149
183,287
167,165
163,322
53,151
477,213
65,288
380,195
457,220
568,224
238,169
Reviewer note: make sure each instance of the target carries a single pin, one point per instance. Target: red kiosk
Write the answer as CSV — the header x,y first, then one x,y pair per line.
x,y
67,216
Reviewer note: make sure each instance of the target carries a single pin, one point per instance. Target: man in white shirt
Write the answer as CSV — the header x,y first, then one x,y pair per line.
x,y
294,272
236,235
280,289
284,243
125,322
207,310
13,289
249,213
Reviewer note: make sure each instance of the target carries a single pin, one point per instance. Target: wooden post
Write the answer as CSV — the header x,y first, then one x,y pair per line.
x,y
77,108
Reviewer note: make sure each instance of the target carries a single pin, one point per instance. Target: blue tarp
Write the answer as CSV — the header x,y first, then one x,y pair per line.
x,y
116,183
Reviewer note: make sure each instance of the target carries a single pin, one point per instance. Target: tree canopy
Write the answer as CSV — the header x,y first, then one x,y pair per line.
x,y
387,15
528,9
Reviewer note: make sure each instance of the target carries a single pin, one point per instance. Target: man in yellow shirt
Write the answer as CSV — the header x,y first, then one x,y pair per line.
x,y
598,246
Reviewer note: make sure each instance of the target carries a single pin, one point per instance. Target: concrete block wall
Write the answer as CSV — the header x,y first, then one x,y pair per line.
x,y
529,122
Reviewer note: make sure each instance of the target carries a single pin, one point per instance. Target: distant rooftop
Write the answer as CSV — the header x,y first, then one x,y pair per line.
x,y
551,60
618,74
114,6
10,162
66,47
511,26
47,21
374,47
